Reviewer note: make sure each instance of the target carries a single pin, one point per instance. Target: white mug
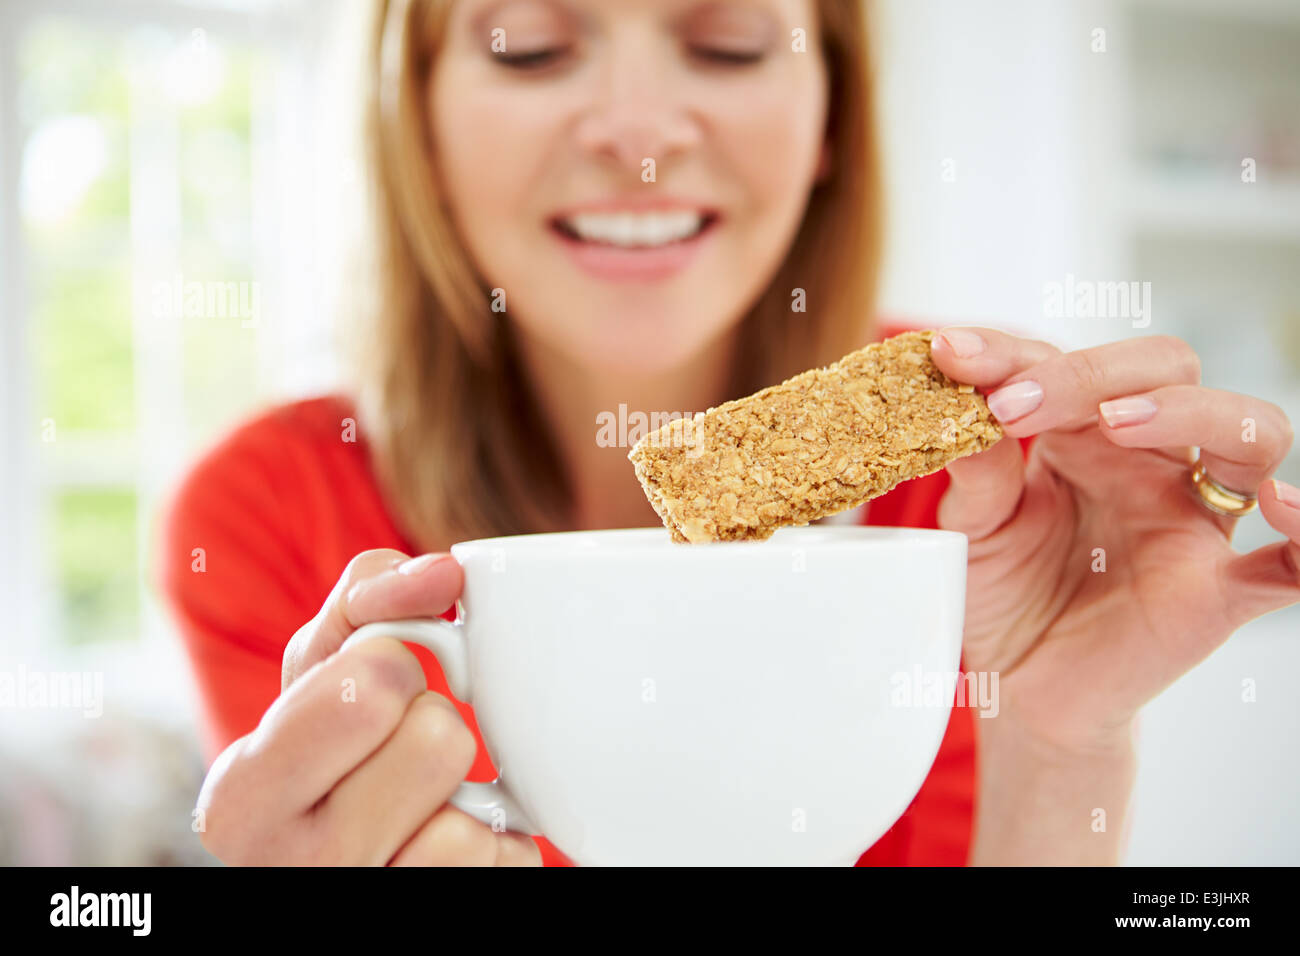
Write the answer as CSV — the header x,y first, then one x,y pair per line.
x,y
647,702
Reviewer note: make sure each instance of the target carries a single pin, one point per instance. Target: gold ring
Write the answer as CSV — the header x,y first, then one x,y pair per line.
x,y
1220,500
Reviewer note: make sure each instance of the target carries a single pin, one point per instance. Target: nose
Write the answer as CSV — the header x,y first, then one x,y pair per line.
x,y
636,112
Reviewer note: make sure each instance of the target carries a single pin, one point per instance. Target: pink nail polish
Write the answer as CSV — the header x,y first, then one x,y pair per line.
x,y
1127,411
422,563
1015,401
1287,494
963,342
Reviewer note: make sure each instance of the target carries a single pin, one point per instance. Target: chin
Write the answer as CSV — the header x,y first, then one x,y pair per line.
x,y
657,348
638,363
629,332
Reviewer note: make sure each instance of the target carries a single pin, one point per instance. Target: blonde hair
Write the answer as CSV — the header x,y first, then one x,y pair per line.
x,y
455,437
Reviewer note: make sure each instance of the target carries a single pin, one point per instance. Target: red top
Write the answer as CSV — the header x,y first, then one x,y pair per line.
x,y
282,504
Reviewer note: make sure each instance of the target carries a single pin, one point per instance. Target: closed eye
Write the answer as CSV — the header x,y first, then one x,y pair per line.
x,y
727,57
532,60
538,59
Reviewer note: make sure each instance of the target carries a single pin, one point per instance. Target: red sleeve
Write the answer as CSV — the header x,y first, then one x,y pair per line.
x,y
232,574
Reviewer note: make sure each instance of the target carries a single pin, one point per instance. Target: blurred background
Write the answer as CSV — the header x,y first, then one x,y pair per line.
x,y
146,145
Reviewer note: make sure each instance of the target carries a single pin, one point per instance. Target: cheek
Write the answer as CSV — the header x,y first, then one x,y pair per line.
x,y
489,145
769,138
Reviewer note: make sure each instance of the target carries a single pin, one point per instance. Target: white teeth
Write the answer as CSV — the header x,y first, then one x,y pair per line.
x,y
636,229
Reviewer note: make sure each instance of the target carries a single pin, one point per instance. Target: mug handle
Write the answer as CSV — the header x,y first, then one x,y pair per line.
x,y
485,802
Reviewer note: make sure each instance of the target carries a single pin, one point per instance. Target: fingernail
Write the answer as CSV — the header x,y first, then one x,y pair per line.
x,y
422,563
1127,411
1287,494
963,342
1015,401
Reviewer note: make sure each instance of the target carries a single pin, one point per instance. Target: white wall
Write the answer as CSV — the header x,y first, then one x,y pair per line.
x,y
981,85
1036,123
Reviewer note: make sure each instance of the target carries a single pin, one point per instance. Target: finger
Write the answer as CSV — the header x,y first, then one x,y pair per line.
x,y
515,849
1267,578
330,627
354,700
380,585
454,838
985,357
1242,439
372,812
1064,391
984,490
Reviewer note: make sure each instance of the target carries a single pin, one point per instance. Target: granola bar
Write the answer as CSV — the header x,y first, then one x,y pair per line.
x,y
822,442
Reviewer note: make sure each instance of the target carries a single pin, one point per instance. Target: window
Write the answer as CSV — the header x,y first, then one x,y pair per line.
x,y
156,154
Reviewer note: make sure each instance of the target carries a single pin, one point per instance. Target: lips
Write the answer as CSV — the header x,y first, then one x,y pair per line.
x,y
634,230
643,239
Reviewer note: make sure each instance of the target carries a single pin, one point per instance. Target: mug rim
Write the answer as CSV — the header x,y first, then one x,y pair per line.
x,y
645,541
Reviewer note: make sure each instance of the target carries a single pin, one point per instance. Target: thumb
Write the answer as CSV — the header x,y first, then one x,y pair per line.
x,y
984,490
376,586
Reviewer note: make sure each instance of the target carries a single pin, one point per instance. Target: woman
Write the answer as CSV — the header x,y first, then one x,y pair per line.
x,y
582,205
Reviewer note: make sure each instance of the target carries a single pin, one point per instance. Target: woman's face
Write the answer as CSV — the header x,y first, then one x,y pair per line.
x,y
630,172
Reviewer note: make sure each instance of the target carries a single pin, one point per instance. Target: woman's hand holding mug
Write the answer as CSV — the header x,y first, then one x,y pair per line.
x,y
354,762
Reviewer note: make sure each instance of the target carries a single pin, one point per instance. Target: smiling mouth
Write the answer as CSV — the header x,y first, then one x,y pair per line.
x,y
625,230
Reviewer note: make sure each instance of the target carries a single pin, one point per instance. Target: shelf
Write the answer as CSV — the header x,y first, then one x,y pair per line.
x,y
1202,208
1285,13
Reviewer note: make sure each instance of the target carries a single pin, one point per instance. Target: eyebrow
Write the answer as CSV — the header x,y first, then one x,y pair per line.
x,y
761,13
479,22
